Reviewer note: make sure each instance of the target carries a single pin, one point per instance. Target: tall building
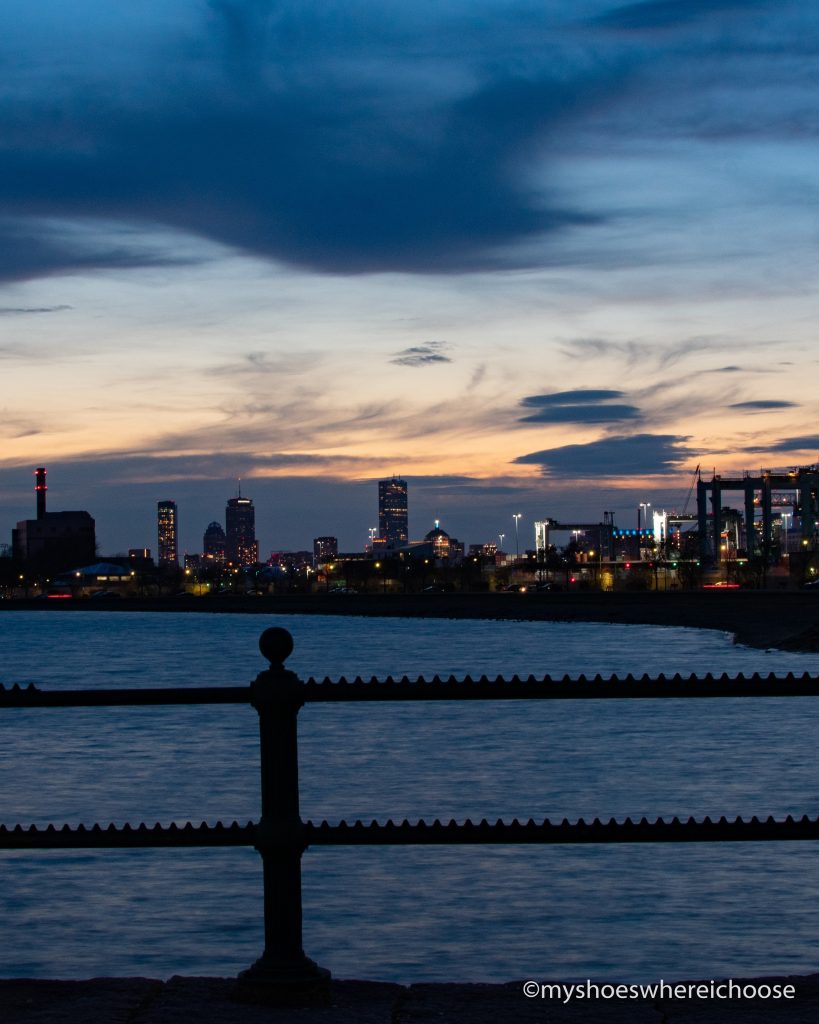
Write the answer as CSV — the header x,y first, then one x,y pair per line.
x,y
167,533
241,546
392,512
214,543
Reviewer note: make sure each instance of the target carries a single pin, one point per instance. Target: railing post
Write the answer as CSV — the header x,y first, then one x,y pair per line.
x,y
276,695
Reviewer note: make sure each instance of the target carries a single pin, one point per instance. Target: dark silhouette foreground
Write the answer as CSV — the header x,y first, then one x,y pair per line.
x,y
217,1001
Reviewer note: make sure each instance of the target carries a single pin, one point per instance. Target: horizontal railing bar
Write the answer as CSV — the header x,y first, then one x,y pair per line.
x,y
327,691
20,837
33,697
566,688
517,832
419,833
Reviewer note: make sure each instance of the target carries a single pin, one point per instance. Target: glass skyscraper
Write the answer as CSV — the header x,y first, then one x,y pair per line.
x,y
392,512
167,532
241,546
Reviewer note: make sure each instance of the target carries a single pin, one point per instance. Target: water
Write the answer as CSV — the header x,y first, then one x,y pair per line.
x,y
406,914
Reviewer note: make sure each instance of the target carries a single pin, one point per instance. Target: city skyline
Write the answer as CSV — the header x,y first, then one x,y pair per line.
x,y
236,542
534,258
748,498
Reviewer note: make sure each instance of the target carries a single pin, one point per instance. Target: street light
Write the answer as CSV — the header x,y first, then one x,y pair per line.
x,y
516,516
500,538
643,505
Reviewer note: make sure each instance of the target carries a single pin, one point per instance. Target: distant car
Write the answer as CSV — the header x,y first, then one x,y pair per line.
x,y
721,585
516,588
811,585
541,587
433,589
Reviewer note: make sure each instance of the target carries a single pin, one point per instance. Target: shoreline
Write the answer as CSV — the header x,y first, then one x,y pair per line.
x,y
787,620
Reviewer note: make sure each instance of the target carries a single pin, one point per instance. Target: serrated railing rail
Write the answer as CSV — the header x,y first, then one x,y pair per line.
x,y
281,836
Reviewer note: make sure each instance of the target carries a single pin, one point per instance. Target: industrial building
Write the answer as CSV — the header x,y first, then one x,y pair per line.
x,y
795,489
54,541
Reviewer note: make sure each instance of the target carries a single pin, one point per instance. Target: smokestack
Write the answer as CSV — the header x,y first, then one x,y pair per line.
x,y
40,490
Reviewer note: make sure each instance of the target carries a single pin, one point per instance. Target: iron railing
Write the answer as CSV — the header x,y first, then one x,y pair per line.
x,y
281,836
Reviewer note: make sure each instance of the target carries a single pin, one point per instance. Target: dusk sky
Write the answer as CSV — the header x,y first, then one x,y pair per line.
x,y
535,257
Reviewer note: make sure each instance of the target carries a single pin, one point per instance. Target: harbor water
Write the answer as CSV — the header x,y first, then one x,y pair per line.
x,y
401,913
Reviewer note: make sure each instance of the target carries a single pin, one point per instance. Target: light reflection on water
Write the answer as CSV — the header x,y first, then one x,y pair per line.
x,y
469,913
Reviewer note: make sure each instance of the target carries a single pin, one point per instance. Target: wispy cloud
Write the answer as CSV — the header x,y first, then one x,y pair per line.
x,y
66,243
14,425
25,310
477,378
155,467
260,364
649,353
466,486
423,355
667,14
806,442
763,405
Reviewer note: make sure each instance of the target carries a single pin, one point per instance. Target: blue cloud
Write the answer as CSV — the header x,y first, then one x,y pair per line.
x,y
435,140
762,405
582,405
583,414
279,156
571,397
623,456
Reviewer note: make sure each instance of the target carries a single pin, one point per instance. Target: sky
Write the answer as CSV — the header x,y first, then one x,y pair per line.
x,y
534,257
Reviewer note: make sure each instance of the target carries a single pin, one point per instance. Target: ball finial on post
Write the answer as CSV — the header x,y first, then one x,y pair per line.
x,y
276,644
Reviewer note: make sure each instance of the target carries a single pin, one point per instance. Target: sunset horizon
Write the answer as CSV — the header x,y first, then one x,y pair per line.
x,y
534,259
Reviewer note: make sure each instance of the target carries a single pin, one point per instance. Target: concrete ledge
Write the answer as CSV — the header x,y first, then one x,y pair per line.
x,y
218,1001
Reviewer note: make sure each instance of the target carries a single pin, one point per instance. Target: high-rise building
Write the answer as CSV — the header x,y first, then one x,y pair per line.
x,y
392,512
167,533
214,543
325,549
241,546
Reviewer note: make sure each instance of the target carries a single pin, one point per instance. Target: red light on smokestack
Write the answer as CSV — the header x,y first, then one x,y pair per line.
x,y
40,490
